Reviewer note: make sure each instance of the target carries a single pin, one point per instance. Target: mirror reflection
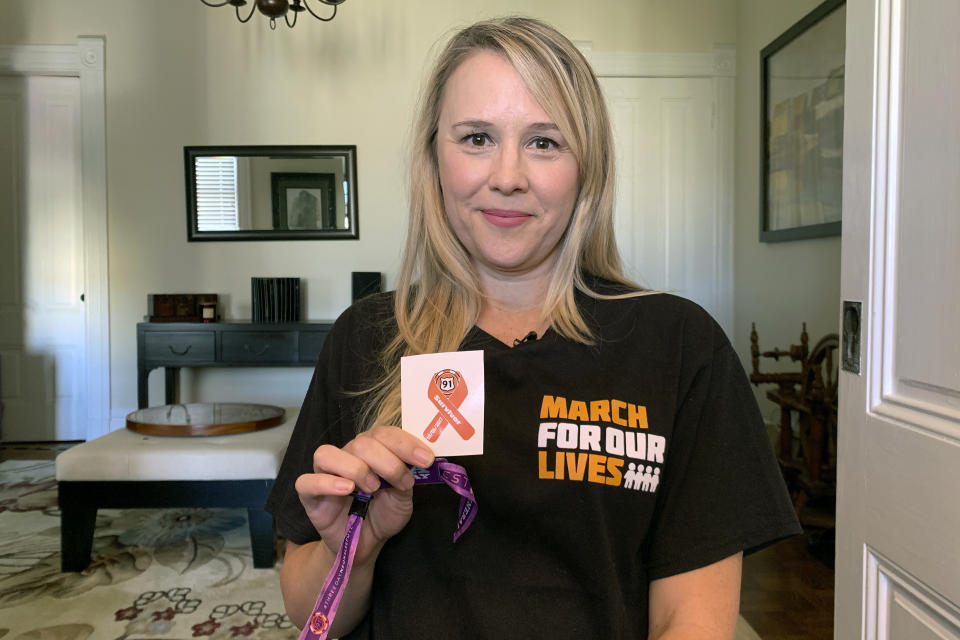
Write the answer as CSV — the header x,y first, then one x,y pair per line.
x,y
271,193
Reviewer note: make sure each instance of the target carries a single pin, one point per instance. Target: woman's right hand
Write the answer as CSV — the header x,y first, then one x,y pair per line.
x,y
381,452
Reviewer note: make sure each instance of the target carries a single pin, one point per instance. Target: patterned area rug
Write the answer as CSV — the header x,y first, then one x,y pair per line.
x,y
171,573
157,574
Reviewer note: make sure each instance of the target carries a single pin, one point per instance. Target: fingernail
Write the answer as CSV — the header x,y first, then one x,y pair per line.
x,y
407,481
372,483
422,457
343,486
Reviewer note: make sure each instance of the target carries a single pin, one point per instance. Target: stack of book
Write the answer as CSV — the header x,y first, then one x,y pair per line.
x,y
275,299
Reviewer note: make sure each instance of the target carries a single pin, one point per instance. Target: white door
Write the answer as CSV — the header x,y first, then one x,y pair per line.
x,y
898,510
668,229
42,339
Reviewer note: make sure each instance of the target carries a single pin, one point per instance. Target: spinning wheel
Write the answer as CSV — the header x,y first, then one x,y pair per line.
x,y
809,458
819,376
818,427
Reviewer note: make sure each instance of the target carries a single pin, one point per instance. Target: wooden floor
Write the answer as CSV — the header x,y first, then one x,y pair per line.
x,y
787,592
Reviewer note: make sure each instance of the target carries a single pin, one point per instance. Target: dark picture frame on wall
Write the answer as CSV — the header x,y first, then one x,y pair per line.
x,y
801,131
303,201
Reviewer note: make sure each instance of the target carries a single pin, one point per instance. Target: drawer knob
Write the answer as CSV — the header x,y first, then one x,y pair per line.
x,y
179,353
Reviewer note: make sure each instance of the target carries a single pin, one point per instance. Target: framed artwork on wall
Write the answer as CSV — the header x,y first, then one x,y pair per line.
x,y
303,201
801,131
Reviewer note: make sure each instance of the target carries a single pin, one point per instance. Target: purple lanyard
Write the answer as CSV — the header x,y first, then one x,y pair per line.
x,y
331,593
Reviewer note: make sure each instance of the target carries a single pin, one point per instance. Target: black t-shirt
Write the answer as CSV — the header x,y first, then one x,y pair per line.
x,y
605,466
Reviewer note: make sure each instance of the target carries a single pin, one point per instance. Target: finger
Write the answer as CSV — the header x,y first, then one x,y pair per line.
x,y
345,464
404,445
323,510
320,485
381,460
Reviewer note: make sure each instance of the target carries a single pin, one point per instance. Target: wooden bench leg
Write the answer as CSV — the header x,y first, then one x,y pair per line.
x,y
76,537
261,537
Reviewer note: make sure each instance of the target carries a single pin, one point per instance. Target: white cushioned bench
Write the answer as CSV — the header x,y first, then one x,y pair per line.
x,y
128,470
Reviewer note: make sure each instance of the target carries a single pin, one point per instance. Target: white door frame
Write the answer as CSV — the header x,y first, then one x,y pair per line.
x,y
720,65
84,61
899,427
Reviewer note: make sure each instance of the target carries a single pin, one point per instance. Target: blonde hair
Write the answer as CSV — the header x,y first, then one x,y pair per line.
x,y
438,296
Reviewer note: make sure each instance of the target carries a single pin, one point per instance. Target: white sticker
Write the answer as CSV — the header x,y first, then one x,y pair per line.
x,y
441,397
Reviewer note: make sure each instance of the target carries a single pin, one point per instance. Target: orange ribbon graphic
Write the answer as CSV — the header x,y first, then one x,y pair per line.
x,y
447,391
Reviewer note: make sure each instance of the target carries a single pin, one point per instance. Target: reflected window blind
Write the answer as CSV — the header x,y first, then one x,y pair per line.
x,y
217,194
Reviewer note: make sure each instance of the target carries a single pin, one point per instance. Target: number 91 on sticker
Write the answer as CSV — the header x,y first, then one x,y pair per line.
x,y
442,398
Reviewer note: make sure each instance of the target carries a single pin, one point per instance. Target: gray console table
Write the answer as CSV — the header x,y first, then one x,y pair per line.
x,y
173,345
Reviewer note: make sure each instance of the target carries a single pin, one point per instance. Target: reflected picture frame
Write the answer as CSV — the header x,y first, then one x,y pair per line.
x,y
303,201
801,128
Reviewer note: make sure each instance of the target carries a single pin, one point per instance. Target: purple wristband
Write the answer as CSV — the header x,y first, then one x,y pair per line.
x,y
332,590
325,609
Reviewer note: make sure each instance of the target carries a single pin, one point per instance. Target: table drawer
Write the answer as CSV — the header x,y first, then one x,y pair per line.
x,y
178,348
258,346
310,344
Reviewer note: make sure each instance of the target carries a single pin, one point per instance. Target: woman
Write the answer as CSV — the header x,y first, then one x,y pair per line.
x,y
625,465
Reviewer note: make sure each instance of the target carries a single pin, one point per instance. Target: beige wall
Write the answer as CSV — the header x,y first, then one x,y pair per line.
x,y
777,285
179,73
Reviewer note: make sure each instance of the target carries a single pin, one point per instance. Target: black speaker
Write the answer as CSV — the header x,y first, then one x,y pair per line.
x,y
365,283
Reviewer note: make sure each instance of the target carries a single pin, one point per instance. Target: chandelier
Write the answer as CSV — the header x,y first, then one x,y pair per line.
x,y
273,9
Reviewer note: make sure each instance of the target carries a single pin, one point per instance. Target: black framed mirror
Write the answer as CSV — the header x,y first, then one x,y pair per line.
x,y
271,193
